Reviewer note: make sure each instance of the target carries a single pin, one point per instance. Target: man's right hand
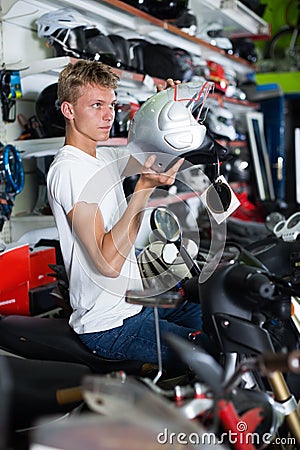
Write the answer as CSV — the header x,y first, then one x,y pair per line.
x,y
150,179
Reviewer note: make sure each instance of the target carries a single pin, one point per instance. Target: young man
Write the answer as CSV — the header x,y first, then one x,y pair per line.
x,y
98,227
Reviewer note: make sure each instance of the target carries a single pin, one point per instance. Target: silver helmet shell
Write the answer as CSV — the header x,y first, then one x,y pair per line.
x,y
165,125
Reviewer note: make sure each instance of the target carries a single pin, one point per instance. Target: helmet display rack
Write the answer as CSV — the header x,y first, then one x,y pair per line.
x,y
39,68
109,14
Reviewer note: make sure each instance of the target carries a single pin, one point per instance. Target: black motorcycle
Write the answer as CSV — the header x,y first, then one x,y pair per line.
x,y
240,302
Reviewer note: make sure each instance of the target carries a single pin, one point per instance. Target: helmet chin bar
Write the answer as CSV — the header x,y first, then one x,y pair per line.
x,y
210,152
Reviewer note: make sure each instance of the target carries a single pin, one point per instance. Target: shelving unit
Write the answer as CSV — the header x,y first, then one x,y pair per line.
x,y
43,72
116,16
38,67
236,19
49,146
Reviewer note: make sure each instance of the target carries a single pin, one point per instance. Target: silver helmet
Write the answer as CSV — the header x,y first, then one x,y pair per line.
x,y
169,125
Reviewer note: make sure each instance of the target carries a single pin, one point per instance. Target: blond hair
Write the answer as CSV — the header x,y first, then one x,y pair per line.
x,y
84,72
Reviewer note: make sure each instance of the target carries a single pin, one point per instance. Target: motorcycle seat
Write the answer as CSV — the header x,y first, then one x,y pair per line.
x,y
29,389
53,339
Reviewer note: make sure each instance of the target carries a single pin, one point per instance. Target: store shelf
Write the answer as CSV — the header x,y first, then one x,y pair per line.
x,y
22,224
114,16
49,146
36,75
23,50
236,19
235,105
165,32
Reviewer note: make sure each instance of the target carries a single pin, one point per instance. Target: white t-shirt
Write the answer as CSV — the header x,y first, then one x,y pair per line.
x,y
98,301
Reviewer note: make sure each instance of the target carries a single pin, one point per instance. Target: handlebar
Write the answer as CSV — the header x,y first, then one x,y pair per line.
x,y
285,362
266,363
250,279
152,298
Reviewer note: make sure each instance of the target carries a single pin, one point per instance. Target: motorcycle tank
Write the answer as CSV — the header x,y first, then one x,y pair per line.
x,y
280,257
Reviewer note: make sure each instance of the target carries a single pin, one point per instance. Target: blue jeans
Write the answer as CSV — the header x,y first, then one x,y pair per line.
x,y
136,338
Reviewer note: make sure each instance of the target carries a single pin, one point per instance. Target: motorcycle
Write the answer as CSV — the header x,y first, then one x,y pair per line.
x,y
244,305
43,355
48,348
219,414
28,391
267,295
244,418
123,413
51,339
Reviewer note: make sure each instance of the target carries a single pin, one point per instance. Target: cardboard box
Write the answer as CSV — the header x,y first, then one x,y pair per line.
x,y
14,284
21,271
15,300
40,258
14,266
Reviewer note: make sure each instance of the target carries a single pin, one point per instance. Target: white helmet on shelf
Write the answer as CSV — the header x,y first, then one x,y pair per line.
x,y
71,33
221,122
165,126
214,34
64,18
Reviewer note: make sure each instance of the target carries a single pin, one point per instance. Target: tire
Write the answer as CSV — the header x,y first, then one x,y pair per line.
x,y
282,50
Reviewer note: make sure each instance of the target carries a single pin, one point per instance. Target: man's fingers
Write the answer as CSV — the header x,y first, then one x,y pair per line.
x,y
149,161
159,87
173,169
169,83
170,175
176,166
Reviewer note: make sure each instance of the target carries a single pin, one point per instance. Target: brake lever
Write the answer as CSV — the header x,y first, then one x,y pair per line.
x,y
286,285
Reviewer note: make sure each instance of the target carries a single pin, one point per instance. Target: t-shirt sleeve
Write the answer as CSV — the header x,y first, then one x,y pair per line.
x,y
66,184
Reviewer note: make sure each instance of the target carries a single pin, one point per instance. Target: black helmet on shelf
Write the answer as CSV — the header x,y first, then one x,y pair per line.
x,y
161,9
126,106
245,49
237,169
48,112
187,22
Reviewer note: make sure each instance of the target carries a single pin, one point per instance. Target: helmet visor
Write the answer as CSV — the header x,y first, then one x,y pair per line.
x,y
192,94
